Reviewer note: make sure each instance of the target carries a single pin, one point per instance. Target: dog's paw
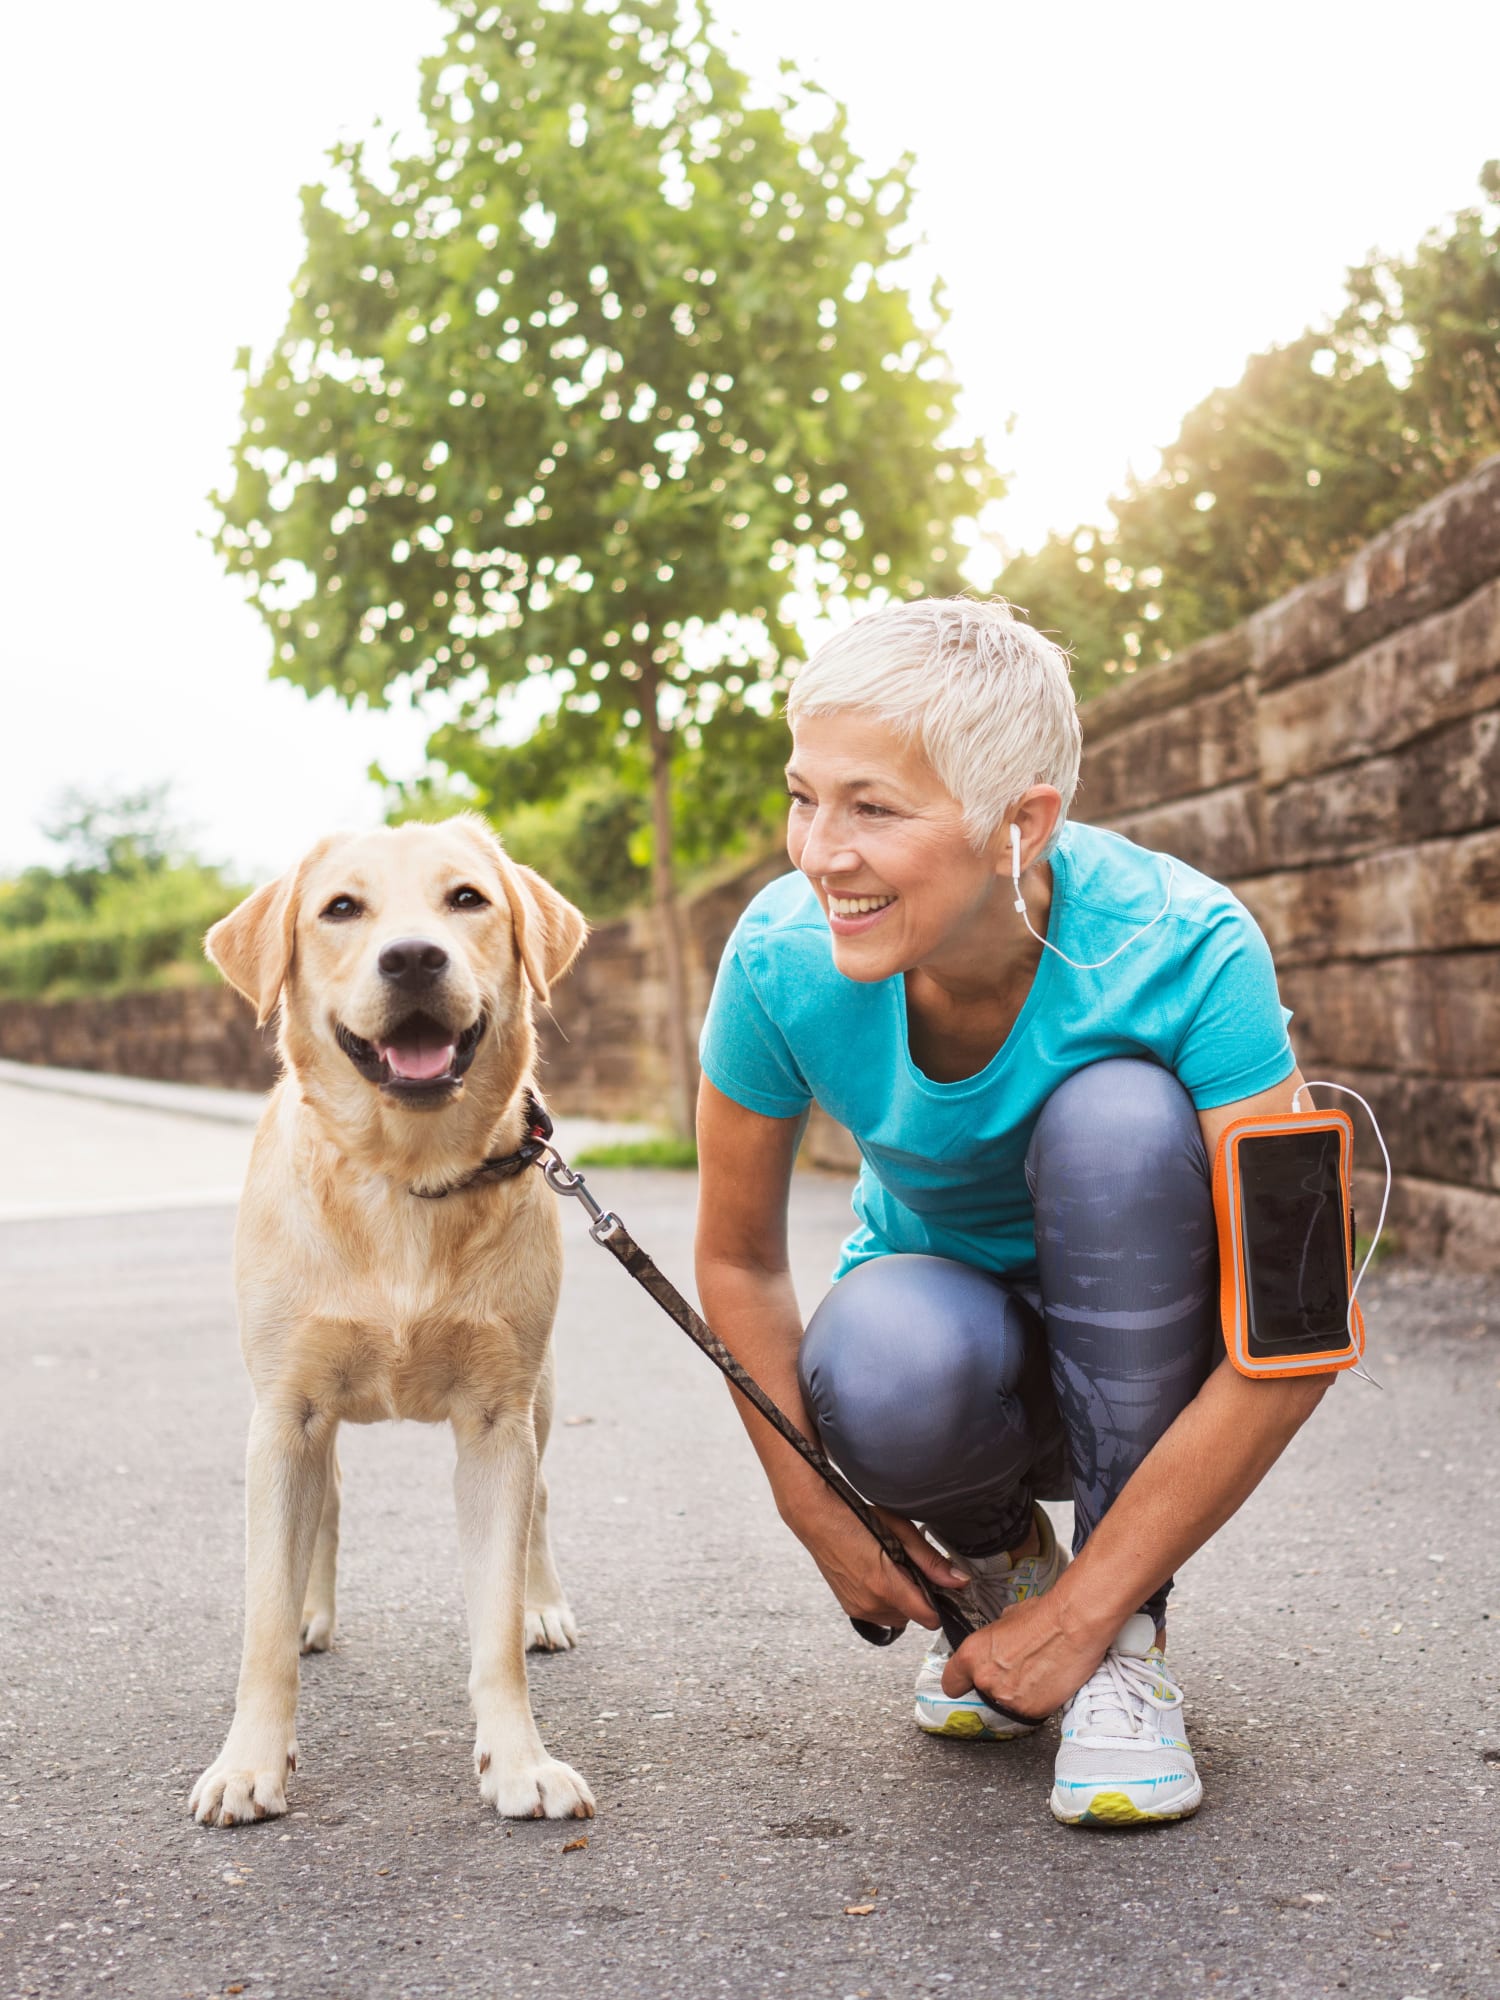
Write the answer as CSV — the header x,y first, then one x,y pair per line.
x,y
317,1629
550,1628
246,1781
533,1788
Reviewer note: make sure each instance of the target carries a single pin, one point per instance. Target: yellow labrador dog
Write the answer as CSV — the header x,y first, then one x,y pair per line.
x,y
404,962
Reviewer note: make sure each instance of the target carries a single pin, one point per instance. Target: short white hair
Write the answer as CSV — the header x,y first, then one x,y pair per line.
x,y
988,698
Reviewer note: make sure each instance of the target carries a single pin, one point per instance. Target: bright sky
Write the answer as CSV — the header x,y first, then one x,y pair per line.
x,y
1124,202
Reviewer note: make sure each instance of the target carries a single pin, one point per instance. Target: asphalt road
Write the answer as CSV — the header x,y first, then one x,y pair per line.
x,y
759,1782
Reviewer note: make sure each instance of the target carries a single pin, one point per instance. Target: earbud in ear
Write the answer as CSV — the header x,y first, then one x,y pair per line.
x,y
1015,869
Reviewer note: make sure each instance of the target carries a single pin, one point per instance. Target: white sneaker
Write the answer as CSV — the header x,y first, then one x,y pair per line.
x,y
1124,1759
995,1584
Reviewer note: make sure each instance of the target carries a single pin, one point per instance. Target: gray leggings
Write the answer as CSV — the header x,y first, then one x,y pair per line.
x,y
957,1397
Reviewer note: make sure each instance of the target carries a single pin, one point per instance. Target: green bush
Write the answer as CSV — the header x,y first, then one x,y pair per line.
x,y
143,930
660,1152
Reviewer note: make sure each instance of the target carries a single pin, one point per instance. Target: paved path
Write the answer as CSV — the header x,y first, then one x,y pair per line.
x,y
73,1143
757,1776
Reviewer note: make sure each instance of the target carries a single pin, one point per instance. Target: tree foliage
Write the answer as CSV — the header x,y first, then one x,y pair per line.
x,y
1320,445
582,385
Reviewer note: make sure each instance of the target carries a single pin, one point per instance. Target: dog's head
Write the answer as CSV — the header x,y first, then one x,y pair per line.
x,y
395,955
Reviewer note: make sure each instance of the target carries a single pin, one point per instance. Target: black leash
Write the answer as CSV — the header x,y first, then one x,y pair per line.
x,y
607,1229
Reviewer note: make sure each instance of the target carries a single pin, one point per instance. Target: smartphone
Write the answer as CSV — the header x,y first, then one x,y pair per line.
x,y
1286,1240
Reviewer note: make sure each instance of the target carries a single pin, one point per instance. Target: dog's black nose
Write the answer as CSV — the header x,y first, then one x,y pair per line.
x,y
412,962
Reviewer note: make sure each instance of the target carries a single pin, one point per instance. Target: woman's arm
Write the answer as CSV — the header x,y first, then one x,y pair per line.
x,y
1198,1474
745,1286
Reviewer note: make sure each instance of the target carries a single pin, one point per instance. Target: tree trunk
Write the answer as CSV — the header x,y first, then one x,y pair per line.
x,y
668,916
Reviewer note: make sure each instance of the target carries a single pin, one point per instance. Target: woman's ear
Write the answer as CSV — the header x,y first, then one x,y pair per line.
x,y
549,931
253,945
1035,816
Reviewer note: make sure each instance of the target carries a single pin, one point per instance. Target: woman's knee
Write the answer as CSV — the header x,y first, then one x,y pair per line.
x,y
1123,1116
906,1357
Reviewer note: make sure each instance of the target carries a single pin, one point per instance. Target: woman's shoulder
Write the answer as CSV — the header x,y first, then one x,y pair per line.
x,y
1111,875
784,916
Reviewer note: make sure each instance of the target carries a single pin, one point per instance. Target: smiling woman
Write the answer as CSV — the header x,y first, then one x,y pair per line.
x,y
1035,1032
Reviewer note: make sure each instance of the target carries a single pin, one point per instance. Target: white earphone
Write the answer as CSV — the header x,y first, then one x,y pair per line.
x,y
1025,915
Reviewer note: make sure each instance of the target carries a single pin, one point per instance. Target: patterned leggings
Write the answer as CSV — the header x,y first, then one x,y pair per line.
x,y
956,1397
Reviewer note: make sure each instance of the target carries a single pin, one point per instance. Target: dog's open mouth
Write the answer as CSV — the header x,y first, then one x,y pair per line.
x,y
419,1057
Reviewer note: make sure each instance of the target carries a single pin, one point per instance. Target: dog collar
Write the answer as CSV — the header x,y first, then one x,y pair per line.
x,y
502,1166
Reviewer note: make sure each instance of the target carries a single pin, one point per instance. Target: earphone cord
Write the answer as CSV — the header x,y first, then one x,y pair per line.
x,y
1046,943
1321,1083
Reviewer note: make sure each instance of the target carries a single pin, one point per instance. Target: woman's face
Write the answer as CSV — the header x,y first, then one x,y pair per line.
x,y
883,844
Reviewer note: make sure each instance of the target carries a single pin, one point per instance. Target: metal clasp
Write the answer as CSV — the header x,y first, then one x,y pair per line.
x,y
561,1178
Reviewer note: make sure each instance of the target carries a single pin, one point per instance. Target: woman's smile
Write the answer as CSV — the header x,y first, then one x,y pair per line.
x,y
851,916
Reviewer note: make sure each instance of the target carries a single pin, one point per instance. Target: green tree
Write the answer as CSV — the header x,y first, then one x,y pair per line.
x,y
112,833
126,906
1320,445
583,387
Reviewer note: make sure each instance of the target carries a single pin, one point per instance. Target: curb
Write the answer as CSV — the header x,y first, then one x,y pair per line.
x,y
183,1100
243,1107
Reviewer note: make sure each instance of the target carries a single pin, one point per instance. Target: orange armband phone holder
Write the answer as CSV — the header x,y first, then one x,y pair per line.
x,y
1282,1201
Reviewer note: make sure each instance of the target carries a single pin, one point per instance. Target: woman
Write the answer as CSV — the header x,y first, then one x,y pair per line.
x,y
1035,1033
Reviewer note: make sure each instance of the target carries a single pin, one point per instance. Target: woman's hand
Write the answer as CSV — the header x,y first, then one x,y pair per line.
x,y
1030,1660
855,1567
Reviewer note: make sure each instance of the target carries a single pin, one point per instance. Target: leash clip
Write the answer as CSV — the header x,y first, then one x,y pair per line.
x,y
561,1178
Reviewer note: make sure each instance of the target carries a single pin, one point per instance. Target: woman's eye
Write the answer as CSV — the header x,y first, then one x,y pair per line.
x,y
468,899
872,811
341,909
798,798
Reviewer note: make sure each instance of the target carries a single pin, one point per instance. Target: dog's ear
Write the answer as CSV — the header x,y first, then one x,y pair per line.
x,y
252,946
549,931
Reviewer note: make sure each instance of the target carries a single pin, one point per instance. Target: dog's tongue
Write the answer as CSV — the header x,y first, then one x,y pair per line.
x,y
417,1060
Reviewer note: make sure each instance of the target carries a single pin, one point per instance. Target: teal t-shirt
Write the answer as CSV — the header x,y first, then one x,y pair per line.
x,y
944,1163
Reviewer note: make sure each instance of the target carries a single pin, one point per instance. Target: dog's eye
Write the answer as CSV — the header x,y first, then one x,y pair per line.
x,y
341,909
468,899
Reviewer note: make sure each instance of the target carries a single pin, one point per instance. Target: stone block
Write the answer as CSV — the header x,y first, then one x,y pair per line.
x,y
1401,688
1222,832
1437,896
1438,1128
1197,670
1210,743
1447,783
1428,560
1434,1222
1437,1015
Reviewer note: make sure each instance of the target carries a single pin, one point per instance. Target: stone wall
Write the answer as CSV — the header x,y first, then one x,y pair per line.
x,y
188,1034
1336,760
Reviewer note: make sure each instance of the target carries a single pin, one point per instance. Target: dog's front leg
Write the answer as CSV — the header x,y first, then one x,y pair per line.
x,y
320,1612
286,1473
550,1626
493,1484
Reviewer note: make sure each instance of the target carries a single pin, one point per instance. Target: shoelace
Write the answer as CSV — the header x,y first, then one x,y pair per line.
x,y
1121,1687
989,1597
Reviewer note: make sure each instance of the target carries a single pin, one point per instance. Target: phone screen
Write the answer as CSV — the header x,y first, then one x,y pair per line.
x,y
1296,1263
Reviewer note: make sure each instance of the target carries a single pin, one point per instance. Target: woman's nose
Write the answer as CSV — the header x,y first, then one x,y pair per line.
x,y
826,849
